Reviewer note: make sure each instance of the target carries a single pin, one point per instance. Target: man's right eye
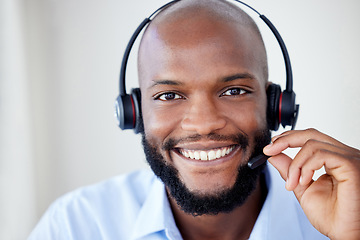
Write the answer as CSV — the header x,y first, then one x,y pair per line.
x,y
168,96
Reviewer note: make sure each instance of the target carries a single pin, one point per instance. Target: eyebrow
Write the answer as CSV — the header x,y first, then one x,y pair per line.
x,y
165,82
225,79
238,76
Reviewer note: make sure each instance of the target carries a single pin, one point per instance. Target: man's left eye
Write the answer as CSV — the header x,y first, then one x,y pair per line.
x,y
234,92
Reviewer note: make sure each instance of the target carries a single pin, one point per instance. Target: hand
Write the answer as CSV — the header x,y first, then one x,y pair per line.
x,y
332,202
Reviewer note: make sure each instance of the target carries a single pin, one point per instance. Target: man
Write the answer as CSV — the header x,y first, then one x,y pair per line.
x,y
203,80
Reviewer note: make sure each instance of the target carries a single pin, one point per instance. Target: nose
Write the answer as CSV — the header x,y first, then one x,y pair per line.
x,y
203,116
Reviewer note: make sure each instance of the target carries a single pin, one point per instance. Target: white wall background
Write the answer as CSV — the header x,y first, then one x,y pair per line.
x,y
59,67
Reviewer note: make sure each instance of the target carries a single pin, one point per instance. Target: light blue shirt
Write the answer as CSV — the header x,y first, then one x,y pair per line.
x,y
135,206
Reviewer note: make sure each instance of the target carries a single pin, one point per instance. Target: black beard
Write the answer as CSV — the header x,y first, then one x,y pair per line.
x,y
199,204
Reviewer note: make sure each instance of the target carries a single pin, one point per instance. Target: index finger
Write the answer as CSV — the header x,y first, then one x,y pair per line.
x,y
297,138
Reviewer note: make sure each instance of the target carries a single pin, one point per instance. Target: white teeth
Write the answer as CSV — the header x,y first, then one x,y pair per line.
x,y
228,151
206,155
203,155
197,155
218,153
212,155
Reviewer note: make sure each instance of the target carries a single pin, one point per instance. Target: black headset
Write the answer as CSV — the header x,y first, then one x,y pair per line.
x,y
281,106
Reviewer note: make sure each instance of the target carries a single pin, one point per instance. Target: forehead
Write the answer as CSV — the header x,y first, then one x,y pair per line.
x,y
197,43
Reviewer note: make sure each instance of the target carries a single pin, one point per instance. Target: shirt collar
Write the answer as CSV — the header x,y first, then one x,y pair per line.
x,y
155,215
279,209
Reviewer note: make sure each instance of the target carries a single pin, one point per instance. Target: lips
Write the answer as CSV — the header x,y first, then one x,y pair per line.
x,y
206,155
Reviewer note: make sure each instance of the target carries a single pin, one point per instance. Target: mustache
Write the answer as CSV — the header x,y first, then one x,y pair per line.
x,y
240,139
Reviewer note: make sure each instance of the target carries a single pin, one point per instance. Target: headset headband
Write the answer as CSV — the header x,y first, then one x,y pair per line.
x,y
289,76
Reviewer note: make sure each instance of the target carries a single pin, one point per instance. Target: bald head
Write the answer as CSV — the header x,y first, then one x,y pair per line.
x,y
214,9
189,24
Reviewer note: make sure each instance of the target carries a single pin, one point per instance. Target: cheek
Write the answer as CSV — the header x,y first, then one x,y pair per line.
x,y
249,116
160,122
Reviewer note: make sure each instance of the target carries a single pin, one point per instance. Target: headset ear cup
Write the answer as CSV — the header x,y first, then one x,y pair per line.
x,y
289,109
136,96
128,111
124,111
273,93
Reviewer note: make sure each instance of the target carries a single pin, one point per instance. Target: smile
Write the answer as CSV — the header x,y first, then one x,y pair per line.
x,y
207,155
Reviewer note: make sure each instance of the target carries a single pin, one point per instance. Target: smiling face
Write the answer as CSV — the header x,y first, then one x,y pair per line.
x,y
203,90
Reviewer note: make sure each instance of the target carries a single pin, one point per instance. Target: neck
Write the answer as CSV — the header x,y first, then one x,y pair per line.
x,y
237,224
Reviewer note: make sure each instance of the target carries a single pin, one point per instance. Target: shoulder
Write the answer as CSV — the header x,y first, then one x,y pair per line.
x,y
133,185
128,187
109,206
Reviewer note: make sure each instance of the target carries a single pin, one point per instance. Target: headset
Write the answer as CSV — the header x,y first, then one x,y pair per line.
x,y
281,106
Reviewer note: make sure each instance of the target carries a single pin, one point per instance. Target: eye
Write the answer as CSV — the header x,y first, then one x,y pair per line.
x,y
234,92
168,96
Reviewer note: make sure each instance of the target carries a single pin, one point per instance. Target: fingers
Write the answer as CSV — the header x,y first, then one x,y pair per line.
x,y
317,150
313,156
297,138
301,170
282,163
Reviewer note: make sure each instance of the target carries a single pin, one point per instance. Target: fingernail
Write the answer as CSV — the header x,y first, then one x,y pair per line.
x,y
267,147
301,180
274,138
287,184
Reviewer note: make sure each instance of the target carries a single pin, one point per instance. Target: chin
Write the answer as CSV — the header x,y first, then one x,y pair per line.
x,y
209,189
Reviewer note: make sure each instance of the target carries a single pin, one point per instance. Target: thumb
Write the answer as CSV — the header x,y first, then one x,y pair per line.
x,y
281,162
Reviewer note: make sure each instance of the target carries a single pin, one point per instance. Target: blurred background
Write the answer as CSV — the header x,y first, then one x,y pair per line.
x,y
59,68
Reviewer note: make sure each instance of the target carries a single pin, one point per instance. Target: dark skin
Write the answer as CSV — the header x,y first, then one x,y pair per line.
x,y
208,77
198,93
